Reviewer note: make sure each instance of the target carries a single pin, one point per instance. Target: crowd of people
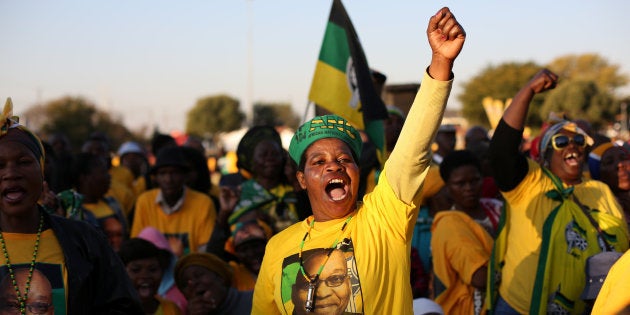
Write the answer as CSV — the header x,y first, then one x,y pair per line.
x,y
489,228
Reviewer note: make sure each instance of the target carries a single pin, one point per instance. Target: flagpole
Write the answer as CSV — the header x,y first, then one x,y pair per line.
x,y
250,65
308,106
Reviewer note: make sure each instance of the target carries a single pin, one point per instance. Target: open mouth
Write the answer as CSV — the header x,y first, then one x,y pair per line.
x,y
336,189
572,159
145,290
13,194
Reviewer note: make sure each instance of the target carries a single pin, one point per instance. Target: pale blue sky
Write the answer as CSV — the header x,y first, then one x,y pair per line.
x,y
149,61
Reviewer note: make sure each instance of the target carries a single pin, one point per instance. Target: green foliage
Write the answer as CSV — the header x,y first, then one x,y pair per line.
x,y
499,82
580,99
77,118
589,67
586,89
213,114
275,114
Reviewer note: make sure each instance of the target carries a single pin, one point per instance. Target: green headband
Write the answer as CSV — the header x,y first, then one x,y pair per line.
x,y
321,127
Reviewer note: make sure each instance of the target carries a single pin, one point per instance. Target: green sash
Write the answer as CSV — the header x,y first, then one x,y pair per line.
x,y
568,239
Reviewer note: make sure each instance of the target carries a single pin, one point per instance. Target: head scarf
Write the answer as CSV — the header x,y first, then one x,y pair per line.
x,y
241,233
205,260
11,130
554,129
247,145
321,127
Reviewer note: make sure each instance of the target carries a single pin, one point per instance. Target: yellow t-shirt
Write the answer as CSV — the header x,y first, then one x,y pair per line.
x,y
122,175
459,247
432,184
614,295
123,194
49,262
528,208
191,225
376,243
100,209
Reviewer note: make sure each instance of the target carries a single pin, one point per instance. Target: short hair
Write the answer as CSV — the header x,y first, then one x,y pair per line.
x,y
138,248
455,160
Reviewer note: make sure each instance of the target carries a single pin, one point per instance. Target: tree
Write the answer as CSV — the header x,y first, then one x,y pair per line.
x,y
77,118
498,82
214,114
586,89
580,99
589,67
275,114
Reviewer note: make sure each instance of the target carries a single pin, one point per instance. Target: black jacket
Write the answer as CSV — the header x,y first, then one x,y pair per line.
x,y
97,280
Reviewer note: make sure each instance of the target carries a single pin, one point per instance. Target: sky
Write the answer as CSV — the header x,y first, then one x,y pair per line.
x,y
149,61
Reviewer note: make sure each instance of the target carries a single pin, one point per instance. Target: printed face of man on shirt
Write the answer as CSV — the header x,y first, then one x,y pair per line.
x,y
39,299
333,289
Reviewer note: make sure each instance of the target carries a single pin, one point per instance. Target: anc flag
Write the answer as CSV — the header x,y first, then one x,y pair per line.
x,y
342,83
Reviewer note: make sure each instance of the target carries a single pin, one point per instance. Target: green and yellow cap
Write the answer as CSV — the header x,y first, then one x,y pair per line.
x,y
321,127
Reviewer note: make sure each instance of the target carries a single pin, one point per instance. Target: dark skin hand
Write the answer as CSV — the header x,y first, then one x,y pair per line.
x,y
515,114
446,38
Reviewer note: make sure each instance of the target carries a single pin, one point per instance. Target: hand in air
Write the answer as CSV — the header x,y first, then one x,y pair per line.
x,y
543,81
446,35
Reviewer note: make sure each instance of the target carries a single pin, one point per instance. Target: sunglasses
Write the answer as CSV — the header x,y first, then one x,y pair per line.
x,y
561,141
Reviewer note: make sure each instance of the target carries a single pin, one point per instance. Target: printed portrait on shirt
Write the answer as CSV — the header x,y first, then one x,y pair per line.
x,y
338,289
46,289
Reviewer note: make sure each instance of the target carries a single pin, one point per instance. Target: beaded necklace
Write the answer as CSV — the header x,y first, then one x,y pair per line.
x,y
22,299
309,305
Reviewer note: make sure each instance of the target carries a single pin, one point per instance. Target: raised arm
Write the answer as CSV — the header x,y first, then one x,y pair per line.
x,y
504,147
406,167
515,114
446,38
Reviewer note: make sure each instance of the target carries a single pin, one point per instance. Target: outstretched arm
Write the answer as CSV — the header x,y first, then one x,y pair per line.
x,y
446,38
406,167
504,146
515,114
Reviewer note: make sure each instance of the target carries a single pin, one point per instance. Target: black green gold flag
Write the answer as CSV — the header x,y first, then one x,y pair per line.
x,y
342,83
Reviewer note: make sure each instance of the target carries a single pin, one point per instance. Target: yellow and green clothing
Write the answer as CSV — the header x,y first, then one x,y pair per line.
x,y
50,262
377,240
105,208
547,238
80,265
278,203
459,246
614,295
192,223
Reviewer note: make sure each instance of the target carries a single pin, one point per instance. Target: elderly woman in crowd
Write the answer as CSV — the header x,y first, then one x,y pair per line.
x,y
552,215
206,282
85,274
373,238
267,193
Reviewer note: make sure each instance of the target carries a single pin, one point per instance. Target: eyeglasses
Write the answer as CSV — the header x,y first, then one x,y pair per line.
x,y
34,308
561,141
331,282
